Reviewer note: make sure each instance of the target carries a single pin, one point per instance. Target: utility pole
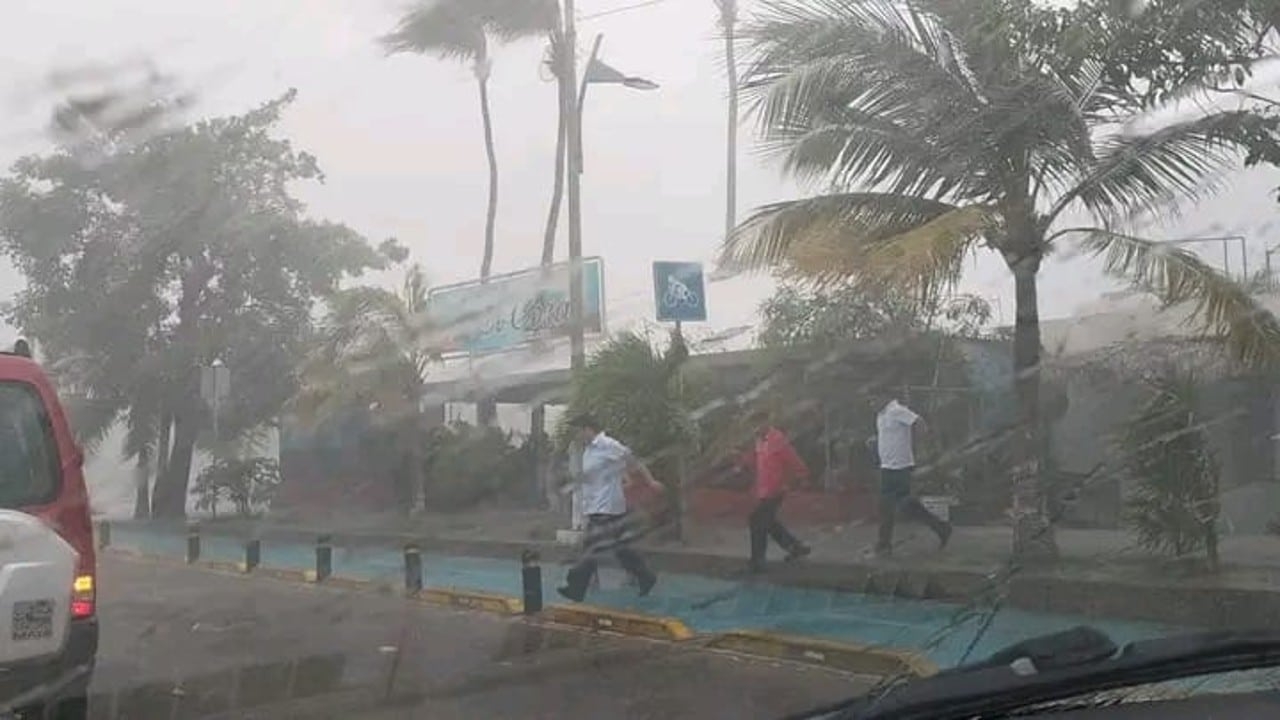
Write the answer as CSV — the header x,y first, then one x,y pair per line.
x,y
573,151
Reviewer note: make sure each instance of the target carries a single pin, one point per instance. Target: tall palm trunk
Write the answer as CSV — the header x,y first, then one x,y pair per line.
x,y
482,78
1033,535
729,21
557,188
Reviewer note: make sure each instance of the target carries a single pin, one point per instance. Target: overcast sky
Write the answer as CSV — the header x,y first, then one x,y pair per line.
x,y
400,139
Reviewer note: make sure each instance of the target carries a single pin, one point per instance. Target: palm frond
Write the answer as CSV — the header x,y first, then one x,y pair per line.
x,y
509,20
449,29
1219,307
849,225
91,419
806,50
1137,173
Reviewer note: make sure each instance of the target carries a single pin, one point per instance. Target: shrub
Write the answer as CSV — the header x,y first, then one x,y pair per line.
x,y
468,464
1174,506
248,484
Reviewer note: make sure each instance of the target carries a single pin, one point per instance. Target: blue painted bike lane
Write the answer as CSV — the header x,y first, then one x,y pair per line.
x,y
945,633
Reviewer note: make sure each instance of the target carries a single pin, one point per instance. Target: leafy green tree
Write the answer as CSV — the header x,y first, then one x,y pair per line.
x,y
163,256
948,126
835,315
463,30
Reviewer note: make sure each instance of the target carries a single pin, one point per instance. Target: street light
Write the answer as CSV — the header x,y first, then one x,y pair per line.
x,y
596,71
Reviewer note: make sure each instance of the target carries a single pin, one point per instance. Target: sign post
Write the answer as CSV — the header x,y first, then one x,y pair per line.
x,y
680,296
215,387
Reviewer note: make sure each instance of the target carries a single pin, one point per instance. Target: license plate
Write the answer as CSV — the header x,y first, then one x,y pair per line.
x,y
32,620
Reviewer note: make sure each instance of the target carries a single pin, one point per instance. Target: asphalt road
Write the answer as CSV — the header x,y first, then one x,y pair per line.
x,y
178,642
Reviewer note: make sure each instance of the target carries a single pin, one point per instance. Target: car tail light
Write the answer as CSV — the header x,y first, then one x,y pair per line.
x,y
82,597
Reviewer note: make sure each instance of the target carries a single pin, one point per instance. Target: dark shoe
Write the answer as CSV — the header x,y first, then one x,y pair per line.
x,y
944,537
798,553
567,593
646,584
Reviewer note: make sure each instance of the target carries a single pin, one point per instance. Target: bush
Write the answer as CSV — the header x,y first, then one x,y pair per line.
x,y
1174,506
468,464
248,484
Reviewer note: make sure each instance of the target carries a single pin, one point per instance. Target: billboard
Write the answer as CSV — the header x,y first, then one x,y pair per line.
x,y
516,309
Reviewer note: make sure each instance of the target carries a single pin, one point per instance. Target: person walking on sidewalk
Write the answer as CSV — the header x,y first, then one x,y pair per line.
x,y
896,429
606,466
776,463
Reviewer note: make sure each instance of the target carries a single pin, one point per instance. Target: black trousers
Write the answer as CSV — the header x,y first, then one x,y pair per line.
x,y
605,533
764,524
896,499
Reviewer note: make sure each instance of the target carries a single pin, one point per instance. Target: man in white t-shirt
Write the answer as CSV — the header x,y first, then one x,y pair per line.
x,y
896,429
607,465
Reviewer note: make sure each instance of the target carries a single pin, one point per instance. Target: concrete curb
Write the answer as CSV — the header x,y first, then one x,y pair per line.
x,y
471,600
849,657
844,657
618,621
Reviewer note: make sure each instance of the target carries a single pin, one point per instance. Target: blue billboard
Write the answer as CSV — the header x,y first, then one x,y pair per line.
x,y
509,311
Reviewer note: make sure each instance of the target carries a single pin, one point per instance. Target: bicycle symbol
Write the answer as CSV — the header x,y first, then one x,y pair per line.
x,y
678,294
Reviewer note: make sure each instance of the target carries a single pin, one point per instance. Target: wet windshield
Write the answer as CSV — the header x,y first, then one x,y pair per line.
x,y
649,358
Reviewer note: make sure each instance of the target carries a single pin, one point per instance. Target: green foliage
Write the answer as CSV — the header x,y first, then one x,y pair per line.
x,y
248,484
160,257
1174,505
467,465
801,315
634,390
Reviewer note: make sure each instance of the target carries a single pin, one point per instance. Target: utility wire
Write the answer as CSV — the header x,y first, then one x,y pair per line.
x,y
624,8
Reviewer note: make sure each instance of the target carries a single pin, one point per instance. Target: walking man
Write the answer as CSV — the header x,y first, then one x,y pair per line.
x,y
606,466
776,463
896,429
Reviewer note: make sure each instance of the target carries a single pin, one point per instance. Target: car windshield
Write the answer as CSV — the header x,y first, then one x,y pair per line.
x,y
29,468
641,358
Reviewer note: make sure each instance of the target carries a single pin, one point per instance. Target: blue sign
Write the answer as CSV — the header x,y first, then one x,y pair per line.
x,y
513,310
679,291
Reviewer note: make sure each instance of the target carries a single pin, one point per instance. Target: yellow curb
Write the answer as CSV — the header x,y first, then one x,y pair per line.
x,y
472,600
281,574
598,618
850,657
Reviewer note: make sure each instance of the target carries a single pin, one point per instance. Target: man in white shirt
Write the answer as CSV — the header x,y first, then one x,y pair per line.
x,y
896,429
606,466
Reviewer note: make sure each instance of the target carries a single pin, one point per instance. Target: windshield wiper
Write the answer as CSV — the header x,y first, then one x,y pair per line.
x,y
1058,667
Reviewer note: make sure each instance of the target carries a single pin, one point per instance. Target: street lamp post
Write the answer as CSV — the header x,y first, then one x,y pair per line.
x,y
595,72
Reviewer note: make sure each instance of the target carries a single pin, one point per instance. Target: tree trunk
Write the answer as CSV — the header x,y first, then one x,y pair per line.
x,y
162,449
486,265
142,486
731,159
170,496
171,490
565,89
1033,535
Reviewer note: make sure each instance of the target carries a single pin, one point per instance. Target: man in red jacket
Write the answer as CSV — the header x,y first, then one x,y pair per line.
x,y
776,464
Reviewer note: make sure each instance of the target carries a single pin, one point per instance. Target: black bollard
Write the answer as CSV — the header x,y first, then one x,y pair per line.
x,y
412,569
193,543
324,557
531,582
252,555
104,534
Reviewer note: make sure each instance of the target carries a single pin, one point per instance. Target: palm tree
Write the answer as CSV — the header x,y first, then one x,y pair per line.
x,y
461,30
374,349
948,126
729,25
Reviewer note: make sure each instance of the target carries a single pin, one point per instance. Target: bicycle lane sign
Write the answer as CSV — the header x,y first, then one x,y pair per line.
x,y
679,292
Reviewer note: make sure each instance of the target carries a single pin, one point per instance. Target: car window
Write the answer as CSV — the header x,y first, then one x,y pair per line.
x,y
28,453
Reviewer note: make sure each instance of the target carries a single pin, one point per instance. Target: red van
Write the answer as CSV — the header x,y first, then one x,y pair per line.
x,y
48,617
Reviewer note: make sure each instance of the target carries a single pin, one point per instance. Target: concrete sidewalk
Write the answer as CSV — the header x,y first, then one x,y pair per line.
x,y
1247,560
